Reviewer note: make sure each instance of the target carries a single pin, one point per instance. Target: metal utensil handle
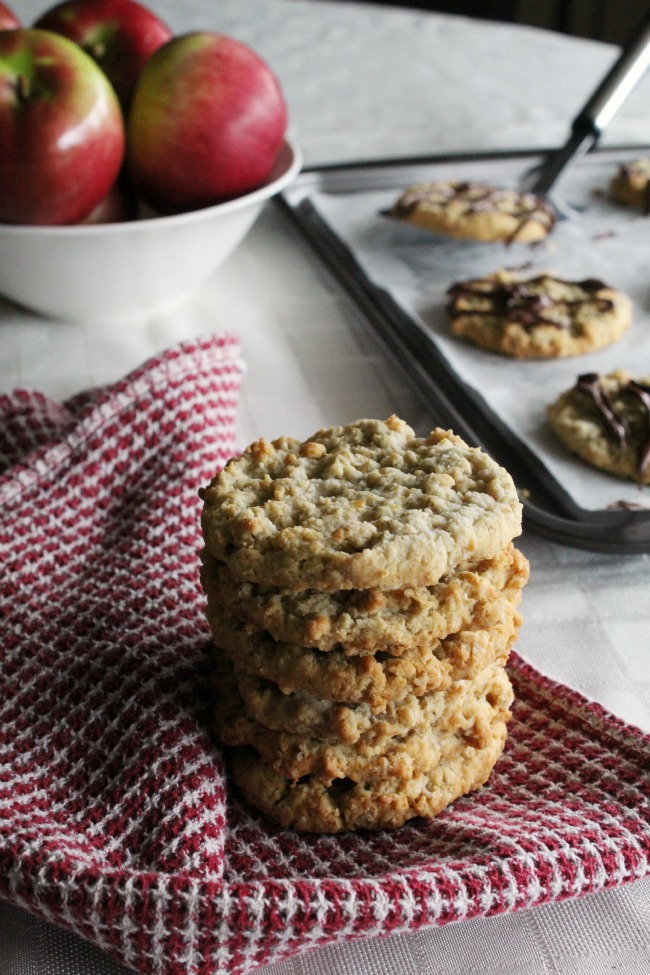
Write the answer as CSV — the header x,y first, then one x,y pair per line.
x,y
617,83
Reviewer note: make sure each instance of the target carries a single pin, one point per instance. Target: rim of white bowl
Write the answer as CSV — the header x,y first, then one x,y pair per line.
x,y
287,166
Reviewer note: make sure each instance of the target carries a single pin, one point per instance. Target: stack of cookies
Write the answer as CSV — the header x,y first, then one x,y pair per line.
x,y
362,590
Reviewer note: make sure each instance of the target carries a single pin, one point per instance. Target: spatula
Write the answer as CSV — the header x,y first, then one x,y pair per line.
x,y
597,113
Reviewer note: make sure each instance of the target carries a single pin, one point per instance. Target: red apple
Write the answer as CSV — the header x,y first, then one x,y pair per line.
x,y
8,19
61,130
206,124
119,34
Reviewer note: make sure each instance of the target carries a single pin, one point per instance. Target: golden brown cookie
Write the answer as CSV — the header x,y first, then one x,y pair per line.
x,y
410,743
542,317
364,620
359,506
631,184
374,679
313,806
305,714
476,211
605,420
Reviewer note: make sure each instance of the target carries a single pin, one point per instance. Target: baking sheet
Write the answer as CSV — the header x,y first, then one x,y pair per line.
x,y
414,269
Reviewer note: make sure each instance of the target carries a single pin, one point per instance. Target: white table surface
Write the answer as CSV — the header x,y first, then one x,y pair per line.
x,y
365,82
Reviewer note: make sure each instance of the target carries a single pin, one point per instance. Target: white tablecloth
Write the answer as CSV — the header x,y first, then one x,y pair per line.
x,y
362,83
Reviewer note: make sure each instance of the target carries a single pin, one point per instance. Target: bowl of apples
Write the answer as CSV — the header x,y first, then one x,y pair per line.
x,y
134,161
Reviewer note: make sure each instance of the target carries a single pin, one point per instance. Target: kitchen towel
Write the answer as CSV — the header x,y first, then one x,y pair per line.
x,y
117,821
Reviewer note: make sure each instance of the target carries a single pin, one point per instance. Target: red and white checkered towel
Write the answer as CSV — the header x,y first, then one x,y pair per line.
x,y
116,819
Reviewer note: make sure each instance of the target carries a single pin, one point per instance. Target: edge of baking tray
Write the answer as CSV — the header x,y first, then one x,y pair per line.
x,y
548,510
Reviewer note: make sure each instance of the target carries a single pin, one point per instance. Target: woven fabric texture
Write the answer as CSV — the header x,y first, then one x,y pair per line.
x,y
117,822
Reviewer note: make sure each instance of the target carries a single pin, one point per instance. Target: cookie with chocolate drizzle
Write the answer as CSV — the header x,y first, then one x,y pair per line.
x,y
605,420
631,185
475,211
540,317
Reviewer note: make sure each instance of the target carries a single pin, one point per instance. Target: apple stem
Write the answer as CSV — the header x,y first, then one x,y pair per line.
x,y
23,87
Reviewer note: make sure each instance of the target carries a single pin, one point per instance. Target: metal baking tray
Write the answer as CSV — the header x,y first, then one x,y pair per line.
x,y
549,510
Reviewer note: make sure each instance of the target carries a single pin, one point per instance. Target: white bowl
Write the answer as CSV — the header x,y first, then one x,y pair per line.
x,y
121,270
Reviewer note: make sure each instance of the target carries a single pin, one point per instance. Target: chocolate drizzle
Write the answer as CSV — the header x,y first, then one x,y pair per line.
x,y
590,384
525,302
643,394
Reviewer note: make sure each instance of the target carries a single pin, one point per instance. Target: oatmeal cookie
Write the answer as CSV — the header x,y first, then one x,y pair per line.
x,y
605,420
631,184
358,506
331,721
412,743
542,317
311,805
305,714
364,620
374,679
476,211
